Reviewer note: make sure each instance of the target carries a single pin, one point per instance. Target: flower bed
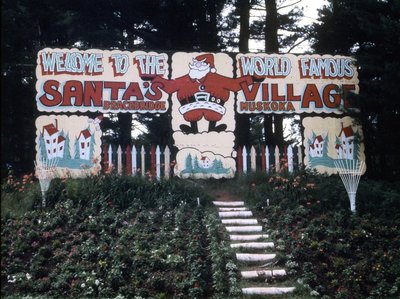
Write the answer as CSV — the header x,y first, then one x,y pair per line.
x,y
336,254
109,236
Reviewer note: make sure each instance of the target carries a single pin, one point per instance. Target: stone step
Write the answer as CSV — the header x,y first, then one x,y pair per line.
x,y
248,237
262,273
244,229
255,257
267,290
235,214
229,203
257,245
233,209
239,221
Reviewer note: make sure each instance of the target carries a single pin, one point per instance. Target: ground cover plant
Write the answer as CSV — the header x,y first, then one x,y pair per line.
x,y
109,236
334,253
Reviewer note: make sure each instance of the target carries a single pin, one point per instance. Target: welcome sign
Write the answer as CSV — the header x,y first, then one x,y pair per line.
x,y
70,80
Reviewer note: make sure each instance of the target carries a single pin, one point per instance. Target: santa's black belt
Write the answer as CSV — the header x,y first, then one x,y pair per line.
x,y
192,99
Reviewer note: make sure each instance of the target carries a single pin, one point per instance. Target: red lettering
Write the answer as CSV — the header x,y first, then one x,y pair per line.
x,y
346,89
115,87
327,96
250,95
133,90
93,93
154,92
311,94
289,93
72,89
50,87
265,92
275,93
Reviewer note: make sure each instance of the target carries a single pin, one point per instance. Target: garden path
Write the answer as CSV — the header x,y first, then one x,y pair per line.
x,y
254,251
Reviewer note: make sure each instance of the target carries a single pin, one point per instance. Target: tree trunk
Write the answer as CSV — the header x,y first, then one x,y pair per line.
x,y
125,129
272,137
242,120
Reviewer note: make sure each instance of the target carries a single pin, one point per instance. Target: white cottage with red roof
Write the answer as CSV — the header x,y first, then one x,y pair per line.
x,y
53,141
316,148
205,162
345,150
84,144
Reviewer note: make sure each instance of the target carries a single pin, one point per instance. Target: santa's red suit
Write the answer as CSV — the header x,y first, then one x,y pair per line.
x,y
203,97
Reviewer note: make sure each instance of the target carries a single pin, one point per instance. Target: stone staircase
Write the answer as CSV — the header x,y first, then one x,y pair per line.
x,y
254,250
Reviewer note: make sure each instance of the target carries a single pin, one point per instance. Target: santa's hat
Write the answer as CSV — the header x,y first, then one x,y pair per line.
x,y
209,59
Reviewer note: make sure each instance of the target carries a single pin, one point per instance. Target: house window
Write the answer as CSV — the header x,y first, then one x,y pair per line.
x,y
48,141
48,151
54,150
88,144
54,140
61,148
82,145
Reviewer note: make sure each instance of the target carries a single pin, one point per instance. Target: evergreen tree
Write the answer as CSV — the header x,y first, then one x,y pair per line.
x,y
369,30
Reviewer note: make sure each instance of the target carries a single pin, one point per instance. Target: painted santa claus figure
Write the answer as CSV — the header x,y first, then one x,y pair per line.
x,y
202,93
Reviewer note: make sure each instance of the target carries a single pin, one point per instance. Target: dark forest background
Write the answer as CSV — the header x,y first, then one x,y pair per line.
x,y
368,30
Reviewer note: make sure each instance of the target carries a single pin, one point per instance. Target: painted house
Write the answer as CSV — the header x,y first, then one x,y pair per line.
x,y
346,139
317,147
205,162
84,144
339,151
53,141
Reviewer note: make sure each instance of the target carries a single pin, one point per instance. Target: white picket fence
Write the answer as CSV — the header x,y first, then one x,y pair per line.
x,y
157,162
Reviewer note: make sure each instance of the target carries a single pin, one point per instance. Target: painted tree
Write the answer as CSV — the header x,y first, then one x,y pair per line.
x,y
67,150
188,163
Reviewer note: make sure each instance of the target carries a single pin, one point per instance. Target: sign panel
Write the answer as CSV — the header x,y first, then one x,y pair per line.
x,y
329,139
295,84
71,80
202,94
71,143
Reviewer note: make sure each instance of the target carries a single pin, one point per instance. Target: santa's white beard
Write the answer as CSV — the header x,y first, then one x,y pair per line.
x,y
198,74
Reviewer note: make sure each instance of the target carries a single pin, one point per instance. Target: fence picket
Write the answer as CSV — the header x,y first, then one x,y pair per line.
x,y
105,157
110,160
134,160
267,164
253,158
143,165
153,160
277,163
290,158
119,159
128,160
244,155
158,162
299,156
167,162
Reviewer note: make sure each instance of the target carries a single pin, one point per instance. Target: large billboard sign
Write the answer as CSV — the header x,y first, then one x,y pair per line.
x,y
200,90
